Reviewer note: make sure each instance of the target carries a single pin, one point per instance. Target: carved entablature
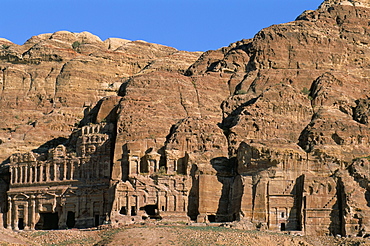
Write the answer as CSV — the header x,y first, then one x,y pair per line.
x,y
102,128
64,166
23,158
94,139
58,152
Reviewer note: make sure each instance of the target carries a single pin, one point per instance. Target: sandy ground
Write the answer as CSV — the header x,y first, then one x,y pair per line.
x,y
150,234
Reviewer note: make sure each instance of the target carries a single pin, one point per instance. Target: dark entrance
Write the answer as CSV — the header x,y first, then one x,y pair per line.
x,y
211,218
152,211
282,227
71,219
123,211
97,220
48,221
133,210
20,224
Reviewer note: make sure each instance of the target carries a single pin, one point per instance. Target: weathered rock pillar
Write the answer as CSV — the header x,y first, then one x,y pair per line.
x,y
26,216
36,174
33,213
32,174
64,170
137,205
72,170
128,204
47,168
9,215
16,175
12,175
20,174
15,218
55,172
26,174
41,174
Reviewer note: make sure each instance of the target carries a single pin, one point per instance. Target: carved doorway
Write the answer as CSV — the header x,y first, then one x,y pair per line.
x,y
71,221
48,221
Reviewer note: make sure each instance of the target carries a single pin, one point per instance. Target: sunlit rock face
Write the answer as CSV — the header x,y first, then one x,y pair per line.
x,y
50,82
270,133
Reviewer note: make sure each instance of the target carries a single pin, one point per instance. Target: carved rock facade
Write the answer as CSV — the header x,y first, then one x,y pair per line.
x,y
288,150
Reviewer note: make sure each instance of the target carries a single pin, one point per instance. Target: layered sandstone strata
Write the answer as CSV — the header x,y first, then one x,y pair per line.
x,y
48,83
270,132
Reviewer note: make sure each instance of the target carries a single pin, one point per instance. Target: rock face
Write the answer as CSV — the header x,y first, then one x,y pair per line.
x,y
287,150
48,83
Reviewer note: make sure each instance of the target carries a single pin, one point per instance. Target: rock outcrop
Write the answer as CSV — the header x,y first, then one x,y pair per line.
x,y
48,83
270,133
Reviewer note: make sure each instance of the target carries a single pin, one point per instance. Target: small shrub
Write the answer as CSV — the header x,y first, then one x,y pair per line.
x,y
76,44
194,83
305,91
5,47
162,170
241,92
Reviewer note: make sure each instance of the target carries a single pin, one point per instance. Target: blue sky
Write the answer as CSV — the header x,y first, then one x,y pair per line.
x,y
193,25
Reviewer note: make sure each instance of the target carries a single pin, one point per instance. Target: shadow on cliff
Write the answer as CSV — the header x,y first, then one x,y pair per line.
x,y
50,144
295,220
193,199
231,120
225,169
225,173
337,223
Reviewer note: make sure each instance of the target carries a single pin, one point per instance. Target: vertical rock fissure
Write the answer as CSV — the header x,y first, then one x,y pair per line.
x,y
4,77
56,84
182,99
198,98
31,83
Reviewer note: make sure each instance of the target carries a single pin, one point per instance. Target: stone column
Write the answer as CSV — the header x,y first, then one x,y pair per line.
x,y
9,214
55,172
156,162
31,174
72,164
128,204
47,168
33,212
137,204
159,202
17,173
167,202
41,173
12,175
20,174
175,200
137,163
26,216
26,173
15,218
65,170
36,174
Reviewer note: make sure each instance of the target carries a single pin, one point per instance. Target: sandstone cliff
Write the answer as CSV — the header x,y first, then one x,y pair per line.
x,y
50,81
270,132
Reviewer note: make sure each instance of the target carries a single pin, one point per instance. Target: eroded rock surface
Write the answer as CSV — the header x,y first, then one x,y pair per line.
x,y
48,83
270,133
